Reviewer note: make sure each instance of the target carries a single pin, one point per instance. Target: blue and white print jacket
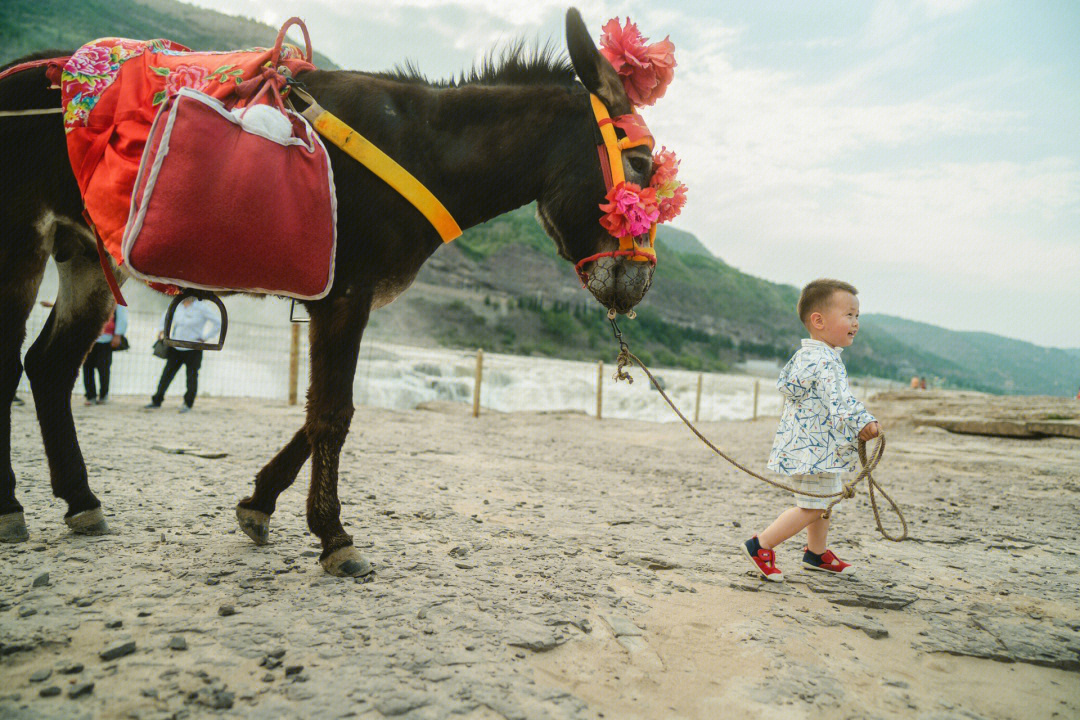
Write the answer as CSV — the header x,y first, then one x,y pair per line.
x,y
819,428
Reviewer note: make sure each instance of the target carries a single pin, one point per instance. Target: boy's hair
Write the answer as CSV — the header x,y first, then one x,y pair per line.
x,y
815,296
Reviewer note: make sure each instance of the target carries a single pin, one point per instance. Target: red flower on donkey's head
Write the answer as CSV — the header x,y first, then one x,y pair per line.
x,y
630,210
670,192
646,70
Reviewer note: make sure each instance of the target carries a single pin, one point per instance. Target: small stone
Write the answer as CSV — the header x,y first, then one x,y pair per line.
x,y
226,610
293,669
113,624
41,580
40,675
212,581
51,691
71,669
26,611
118,651
144,613
81,689
268,677
149,692
276,653
177,642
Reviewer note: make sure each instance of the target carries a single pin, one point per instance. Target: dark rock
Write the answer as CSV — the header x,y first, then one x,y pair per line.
x,y
41,580
51,691
177,642
27,611
40,675
71,668
81,689
112,624
117,651
216,698
226,610
293,669
144,613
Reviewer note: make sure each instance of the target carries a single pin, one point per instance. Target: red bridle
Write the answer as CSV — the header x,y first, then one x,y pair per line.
x,y
609,148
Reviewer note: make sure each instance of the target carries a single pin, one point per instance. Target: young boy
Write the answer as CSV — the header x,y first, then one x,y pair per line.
x,y
816,440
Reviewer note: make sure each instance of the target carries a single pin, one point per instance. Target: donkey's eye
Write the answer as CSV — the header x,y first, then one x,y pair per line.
x,y
639,165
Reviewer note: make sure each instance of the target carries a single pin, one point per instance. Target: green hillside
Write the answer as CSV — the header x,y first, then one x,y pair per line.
x,y
30,25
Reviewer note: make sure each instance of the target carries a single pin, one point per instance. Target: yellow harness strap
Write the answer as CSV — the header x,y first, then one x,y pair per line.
x,y
614,148
360,148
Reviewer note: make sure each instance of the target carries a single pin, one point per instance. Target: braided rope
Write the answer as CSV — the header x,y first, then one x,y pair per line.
x,y
848,491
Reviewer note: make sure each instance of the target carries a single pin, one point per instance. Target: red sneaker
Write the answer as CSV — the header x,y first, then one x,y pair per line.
x,y
764,561
826,562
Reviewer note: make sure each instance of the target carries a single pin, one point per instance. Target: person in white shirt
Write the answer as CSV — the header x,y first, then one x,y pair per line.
x,y
819,429
193,321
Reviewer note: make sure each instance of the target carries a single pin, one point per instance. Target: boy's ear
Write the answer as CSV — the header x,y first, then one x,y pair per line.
x,y
817,320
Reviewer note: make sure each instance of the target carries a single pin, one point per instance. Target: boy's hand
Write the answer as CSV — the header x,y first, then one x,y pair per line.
x,y
870,431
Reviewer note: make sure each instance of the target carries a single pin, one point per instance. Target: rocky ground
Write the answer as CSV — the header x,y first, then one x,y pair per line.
x,y
536,566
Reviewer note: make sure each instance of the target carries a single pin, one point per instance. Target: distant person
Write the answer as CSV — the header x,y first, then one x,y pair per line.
x,y
99,359
922,383
193,321
915,382
821,423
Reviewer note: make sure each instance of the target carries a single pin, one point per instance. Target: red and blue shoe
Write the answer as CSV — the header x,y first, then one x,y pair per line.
x,y
826,562
764,561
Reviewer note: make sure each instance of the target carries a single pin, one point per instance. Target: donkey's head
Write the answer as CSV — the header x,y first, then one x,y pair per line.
x,y
569,208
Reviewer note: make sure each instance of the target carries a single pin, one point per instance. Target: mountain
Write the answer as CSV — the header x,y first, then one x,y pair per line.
x,y
502,287
30,25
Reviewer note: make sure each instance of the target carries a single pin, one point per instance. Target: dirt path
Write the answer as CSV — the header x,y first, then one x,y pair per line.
x,y
535,566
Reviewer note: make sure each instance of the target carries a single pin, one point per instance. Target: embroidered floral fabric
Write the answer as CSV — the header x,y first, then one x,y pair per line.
x,y
820,424
111,90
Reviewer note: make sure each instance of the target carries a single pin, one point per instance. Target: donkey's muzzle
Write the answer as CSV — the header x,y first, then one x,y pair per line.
x,y
619,283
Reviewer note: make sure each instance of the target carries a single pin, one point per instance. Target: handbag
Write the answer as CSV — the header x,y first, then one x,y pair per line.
x,y
160,349
219,204
124,344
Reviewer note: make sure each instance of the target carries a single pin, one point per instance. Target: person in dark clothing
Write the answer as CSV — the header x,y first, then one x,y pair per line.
x,y
195,321
99,359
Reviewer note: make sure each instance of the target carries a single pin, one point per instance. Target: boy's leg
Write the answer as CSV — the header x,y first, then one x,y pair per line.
x,y
817,535
790,523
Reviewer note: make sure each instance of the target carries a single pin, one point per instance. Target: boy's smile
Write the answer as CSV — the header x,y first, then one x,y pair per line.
x,y
838,323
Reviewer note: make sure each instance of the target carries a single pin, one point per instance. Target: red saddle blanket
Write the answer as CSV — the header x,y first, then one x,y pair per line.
x,y
112,89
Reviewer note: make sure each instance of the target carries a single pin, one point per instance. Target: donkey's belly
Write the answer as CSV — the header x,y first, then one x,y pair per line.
x,y
386,291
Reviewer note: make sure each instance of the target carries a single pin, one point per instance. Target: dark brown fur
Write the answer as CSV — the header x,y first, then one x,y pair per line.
x,y
511,133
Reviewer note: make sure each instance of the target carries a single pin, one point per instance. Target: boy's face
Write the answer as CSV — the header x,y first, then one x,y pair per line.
x,y
838,322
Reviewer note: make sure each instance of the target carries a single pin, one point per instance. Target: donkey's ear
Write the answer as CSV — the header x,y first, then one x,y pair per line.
x,y
592,68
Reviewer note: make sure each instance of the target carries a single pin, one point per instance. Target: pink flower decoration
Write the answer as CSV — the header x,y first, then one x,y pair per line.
x,y
646,71
670,192
630,210
90,61
192,76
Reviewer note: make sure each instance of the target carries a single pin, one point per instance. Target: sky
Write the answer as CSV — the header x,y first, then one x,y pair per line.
x,y
927,151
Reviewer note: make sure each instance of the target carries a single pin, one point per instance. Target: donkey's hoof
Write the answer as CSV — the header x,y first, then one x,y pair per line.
x,y
346,562
13,528
255,524
89,522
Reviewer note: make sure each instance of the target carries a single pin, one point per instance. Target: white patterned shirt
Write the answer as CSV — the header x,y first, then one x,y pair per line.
x,y
819,428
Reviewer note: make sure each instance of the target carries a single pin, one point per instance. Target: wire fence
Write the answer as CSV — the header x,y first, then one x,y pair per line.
x,y
256,363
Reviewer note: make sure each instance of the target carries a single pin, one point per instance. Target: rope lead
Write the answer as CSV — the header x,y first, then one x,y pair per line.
x,y
848,491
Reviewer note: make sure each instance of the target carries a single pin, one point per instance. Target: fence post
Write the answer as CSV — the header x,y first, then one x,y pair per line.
x,y
599,387
757,385
294,363
476,385
697,402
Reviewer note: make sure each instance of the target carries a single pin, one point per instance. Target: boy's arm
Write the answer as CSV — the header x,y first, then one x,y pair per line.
x,y
795,380
845,412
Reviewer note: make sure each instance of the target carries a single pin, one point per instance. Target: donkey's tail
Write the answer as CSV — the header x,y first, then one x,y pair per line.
x,y
30,85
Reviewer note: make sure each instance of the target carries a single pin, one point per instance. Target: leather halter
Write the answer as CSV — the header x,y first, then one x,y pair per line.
x,y
609,148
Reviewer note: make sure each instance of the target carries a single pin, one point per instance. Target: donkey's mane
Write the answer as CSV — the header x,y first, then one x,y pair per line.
x,y
518,63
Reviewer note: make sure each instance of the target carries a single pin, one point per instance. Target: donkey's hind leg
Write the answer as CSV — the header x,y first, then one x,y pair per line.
x,y
22,264
82,306
253,513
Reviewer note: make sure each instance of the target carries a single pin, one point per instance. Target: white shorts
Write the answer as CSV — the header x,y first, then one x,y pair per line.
x,y
821,483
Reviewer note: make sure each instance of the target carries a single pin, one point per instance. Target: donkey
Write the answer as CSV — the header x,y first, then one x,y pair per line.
x,y
515,130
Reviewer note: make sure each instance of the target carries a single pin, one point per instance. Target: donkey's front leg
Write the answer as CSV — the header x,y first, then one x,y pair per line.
x,y
336,328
